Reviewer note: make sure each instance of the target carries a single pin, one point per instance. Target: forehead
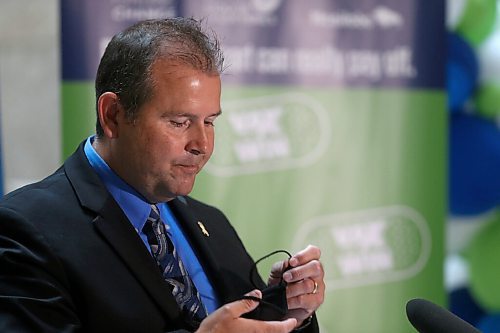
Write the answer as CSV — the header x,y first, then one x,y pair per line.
x,y
170,71
180,86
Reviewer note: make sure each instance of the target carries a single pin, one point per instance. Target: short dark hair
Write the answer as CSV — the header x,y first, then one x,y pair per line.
x,y
125,67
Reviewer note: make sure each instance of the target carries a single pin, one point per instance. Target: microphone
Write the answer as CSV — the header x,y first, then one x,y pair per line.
x,y
428,317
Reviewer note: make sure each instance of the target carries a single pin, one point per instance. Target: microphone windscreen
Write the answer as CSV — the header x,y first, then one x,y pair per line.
x,y
428,317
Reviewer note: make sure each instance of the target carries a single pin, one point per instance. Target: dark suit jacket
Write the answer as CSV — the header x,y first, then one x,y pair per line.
x,y
71,261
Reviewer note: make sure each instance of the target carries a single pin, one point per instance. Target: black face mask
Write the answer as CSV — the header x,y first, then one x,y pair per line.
x,y
273,305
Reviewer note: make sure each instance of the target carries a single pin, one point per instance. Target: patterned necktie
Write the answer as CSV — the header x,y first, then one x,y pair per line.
x,y
173,269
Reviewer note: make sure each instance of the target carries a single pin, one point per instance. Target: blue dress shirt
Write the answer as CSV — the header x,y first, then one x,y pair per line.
x,y
137,210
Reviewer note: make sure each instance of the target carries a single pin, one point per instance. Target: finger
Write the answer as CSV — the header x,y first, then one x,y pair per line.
x,y
311,252
312,270
303,297
309,302
255,293
238,308
306,302
277,269
284,326
302,287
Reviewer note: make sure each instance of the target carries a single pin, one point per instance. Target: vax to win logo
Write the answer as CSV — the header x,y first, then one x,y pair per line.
x,y
268,133
369,247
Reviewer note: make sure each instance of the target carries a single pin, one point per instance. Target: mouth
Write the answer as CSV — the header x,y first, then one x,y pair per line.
x,y
189,168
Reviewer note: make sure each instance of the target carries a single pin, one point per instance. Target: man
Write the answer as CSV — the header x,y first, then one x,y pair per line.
x,y
111,242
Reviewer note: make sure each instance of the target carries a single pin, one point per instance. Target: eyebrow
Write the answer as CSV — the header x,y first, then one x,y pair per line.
x,y
191,115
217,114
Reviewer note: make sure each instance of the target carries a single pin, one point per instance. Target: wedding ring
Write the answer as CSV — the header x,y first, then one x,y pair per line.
x,y
315,290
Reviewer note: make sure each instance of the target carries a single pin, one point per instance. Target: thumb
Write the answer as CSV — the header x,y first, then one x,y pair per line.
x,y
277,270
248,303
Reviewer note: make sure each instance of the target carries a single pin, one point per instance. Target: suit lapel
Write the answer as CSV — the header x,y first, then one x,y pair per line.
x,y
114,226
118,231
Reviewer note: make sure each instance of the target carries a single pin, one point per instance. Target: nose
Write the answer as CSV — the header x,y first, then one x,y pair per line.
x,y
198,142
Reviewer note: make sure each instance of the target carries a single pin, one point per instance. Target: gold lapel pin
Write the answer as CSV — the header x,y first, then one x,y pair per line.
x,y
203,229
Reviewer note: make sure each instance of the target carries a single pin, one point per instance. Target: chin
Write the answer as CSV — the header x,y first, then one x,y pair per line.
x,y
186,192
183,190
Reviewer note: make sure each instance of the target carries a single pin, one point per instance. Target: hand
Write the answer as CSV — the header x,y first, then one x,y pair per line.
x,y
305,290
228,319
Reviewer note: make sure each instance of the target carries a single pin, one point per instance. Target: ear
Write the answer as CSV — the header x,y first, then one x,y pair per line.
x,y
110,111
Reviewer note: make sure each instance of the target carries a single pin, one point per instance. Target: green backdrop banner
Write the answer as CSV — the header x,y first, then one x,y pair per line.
x,y
333,133
360,173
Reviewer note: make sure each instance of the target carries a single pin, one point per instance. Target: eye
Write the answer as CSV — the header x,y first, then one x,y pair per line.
x,y
210,121
179,124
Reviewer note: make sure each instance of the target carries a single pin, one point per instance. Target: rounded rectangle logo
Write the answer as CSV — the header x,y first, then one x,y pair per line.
x,y
265,133
369,247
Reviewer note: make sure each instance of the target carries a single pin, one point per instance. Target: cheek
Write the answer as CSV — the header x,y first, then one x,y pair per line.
x,y
211,137
211,144
165,148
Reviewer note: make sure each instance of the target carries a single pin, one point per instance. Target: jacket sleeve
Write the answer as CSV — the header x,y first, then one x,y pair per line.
x,y
34,296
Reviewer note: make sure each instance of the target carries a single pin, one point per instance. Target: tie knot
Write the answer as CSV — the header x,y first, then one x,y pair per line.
x,y
154,214
152,224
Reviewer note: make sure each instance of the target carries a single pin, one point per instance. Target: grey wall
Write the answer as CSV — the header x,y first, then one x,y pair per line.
x,y
29,89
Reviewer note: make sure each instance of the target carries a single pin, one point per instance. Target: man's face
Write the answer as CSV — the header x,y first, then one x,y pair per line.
x,y
160,152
